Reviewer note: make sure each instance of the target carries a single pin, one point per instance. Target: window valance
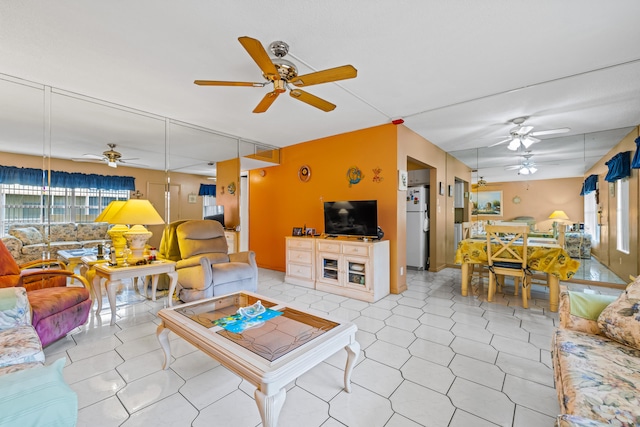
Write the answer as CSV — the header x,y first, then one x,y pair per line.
x,y
619,166
589,185
207,190
636,157
59,179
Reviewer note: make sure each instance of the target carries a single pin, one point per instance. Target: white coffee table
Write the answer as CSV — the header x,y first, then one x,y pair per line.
x,y
269,355
114,276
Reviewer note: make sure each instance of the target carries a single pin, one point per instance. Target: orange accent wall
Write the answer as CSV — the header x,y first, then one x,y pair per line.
x,y
279,201
228,172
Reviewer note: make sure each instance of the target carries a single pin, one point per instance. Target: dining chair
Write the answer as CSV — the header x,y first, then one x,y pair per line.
x,y
505,259
475,270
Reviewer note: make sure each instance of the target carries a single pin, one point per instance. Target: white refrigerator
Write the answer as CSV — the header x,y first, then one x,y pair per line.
x,y
418,227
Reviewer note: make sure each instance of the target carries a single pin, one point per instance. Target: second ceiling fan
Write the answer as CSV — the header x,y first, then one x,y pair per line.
x,y
524,135
282,74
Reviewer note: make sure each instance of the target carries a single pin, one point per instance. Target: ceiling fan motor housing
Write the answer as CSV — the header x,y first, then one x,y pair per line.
x,y
279,48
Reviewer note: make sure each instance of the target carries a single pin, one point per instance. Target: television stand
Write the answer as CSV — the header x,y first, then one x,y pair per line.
x,y
348,267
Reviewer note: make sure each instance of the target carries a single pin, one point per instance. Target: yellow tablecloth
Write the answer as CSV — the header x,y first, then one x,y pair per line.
x,y
551,259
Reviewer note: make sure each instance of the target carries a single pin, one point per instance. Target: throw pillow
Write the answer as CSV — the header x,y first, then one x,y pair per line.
x,y
28,235
36,397
620,320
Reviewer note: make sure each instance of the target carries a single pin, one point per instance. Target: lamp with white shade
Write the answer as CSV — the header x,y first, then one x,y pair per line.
x,y
137,213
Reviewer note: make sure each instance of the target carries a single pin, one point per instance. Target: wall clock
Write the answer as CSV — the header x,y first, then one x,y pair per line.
x,y
304,173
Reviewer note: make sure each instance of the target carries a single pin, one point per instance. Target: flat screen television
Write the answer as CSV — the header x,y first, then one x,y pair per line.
x,y
216,213
351,218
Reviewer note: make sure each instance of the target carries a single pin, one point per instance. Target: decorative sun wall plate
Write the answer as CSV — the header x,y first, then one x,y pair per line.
x,y
354,175
304,173
516,200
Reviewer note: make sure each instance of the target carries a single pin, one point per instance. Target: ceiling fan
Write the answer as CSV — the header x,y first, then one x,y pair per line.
x,y
523,135
526,166
111,157
282,74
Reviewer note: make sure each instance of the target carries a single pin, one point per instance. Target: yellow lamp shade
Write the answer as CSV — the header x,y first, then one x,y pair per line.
x,y
111,209
137,211
558,215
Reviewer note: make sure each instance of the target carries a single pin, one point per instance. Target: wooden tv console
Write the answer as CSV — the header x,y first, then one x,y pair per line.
x,y
345,266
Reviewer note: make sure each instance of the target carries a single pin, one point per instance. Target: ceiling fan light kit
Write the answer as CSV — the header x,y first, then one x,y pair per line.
x,y
283,73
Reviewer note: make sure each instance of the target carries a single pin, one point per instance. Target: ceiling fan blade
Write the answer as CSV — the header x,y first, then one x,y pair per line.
x,y
509,168
325,76
266,102
223,83
501,142
88,159
550,131
312,100
127,163
260,56
523,130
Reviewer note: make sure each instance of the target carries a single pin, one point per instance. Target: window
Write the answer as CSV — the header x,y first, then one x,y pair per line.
x,y
29,204
591,217
622,217
208,204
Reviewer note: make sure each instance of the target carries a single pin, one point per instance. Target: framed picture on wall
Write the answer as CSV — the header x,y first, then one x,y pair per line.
x,y
486,203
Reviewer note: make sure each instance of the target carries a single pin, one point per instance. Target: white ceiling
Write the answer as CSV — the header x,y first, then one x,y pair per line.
x,y
457,72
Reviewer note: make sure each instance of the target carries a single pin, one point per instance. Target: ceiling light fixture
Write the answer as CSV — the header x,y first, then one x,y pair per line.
x,y
527,170
514,144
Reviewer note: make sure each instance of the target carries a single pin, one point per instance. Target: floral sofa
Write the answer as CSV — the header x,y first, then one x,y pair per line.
x,y
578,245
596,359
31,393
27,242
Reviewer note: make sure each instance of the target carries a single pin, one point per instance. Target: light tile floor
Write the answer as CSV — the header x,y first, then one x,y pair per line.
x,y
592,269
429,357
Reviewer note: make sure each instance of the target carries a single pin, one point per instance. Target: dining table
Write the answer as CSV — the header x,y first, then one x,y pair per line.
x,y
544,255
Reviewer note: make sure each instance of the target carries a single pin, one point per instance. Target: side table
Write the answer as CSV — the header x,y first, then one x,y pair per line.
x,y
114,276
88,271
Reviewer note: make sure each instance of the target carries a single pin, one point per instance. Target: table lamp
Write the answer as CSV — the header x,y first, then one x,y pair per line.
x,y
558,216
137,212
116,233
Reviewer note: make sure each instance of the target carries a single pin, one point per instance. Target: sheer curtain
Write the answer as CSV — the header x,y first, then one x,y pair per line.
x,y
591,217
622,217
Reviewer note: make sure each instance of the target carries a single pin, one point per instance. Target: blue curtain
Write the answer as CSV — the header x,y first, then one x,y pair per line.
x,y
59,179
207,190
636,157
619,166
589,185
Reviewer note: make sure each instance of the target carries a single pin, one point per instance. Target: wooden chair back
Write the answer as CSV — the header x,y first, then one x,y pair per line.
x,y
466,230
507,237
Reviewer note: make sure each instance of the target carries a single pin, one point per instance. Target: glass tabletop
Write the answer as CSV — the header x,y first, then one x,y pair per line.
x,y
284,329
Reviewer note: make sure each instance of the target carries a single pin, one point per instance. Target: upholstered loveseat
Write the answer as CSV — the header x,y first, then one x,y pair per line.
x,y
596,359
27,242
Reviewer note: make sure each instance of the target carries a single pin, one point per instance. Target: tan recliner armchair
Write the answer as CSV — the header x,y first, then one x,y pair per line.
x,y
205,268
